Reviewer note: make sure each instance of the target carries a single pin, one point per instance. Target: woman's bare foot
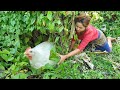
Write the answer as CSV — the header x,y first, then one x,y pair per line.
x,y
112,39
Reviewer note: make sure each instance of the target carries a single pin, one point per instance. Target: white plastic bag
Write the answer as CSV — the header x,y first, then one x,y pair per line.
x,y
40,55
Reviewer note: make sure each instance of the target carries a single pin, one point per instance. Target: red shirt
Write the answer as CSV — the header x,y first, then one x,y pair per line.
x,y
89,35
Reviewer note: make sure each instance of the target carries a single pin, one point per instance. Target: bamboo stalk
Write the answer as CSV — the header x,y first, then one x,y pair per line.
x,y
73,25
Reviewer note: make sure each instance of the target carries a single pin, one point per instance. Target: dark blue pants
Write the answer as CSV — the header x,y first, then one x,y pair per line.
x,y
104,47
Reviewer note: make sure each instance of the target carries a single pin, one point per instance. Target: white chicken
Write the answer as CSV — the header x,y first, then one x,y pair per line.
x,y
39,55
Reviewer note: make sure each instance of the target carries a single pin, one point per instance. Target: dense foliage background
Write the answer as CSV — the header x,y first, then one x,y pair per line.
x,y
21,29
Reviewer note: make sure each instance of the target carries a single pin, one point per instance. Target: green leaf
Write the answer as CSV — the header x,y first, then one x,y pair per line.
x,y
32,21
61,28
17,43
49,15
58,21
54,55
47,75
54,76
15,76
75,37
4,52
13,50
23,75
51,27
31,28
41,16
26,39
12,22
13,67
56,40
59,48
10,59
43,31
5,57
23,63
2,67
48,66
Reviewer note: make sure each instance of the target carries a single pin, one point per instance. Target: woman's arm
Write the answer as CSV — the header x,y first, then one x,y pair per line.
x,y
72,53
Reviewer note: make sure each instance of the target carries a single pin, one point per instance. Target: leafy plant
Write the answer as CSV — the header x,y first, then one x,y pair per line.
x,y
16,34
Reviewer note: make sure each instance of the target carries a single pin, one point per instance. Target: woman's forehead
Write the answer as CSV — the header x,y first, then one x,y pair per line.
x,y
79,24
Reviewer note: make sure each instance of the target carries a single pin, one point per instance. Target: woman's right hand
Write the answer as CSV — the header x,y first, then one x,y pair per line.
x,y
62,58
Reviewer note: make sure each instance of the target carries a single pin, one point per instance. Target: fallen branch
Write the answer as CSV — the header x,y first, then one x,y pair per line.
x,y
85,58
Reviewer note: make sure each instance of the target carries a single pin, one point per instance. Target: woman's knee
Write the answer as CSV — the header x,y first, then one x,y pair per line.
x,y
110,50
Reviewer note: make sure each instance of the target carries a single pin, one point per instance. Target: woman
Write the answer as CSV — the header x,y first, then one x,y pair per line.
x,y
88,34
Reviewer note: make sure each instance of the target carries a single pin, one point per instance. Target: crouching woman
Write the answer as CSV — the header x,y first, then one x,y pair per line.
x,y
87,34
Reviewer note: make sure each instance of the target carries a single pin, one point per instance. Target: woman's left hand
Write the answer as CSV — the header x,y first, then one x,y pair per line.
x,y
63,57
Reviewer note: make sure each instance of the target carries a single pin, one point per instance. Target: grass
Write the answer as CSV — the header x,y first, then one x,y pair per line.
x,y
103,67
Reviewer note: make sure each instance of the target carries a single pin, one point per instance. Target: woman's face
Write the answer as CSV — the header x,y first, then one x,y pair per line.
x,y
79,27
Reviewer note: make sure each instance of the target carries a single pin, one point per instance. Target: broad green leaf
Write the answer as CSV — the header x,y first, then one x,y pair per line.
x,y
26,39
5,57
19,76
48,66
15,76
17,68
12,67
31,28
75,37
58,21
23,76
51,27
54,76
32,21
33,70
54,55
49,15
10,58
12,50
23,63
43,31
59,48
17,43
41,16
4,52
61,28
12,22
66,31
2,67
47,75
56,40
